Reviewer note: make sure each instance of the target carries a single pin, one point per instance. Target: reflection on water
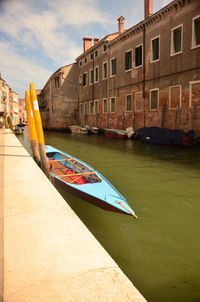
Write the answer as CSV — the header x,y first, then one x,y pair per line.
x,y
159,252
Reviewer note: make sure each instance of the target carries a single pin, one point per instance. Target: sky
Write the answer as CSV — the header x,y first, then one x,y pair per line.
x,y
39,36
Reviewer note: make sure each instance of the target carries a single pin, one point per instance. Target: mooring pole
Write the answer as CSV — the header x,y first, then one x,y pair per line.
x,y
32,129
39,129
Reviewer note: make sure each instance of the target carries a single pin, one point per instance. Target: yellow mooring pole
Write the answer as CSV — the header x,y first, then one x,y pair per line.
x,y
39,129
32,129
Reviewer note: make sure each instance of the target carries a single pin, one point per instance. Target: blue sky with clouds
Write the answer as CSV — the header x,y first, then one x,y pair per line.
x,y
39,36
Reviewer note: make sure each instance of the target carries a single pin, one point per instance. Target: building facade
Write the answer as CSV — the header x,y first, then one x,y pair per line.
x,y
58,100
148,75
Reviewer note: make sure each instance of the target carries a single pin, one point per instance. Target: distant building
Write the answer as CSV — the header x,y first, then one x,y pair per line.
x,y
4,98
58,100
148,75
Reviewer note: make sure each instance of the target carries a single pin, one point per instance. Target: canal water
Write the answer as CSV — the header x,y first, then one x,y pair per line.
x,y
160,251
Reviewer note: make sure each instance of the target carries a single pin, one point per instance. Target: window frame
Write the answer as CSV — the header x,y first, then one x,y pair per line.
x,y
86,79
113,75
104,78
137,46
172,53
193,33
190,91
91,102
151,47
151,90
96,67
129,50
139,92
96,53
131,102
82,112
85,60
96,102
112,97
106,47
86,107
105,99
90,83
180,102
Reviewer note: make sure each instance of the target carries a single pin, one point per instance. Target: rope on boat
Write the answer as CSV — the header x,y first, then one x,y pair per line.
x,y
127,209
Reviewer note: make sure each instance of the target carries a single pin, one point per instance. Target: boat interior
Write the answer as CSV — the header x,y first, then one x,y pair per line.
x,y
70,170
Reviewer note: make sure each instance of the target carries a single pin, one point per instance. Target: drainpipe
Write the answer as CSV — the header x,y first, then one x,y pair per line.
x,y
144,71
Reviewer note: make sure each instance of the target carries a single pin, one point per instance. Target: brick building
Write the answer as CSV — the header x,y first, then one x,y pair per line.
x,y
58,100
148,75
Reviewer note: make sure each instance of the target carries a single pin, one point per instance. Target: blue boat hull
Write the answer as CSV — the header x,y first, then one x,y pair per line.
x,y
98,191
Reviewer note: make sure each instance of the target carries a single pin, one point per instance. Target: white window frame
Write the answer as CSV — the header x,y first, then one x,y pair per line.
x,y
96,102
127,70
104,78
86,107
112,97
155,89
83,107
131,102
142,55
139,92
96,67
91,102
193,33
103,106
112,75
172,53
190,92
170,94
90,83
151,57
86,79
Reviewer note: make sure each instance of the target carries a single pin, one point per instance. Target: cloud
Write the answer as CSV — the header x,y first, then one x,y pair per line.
x,y
20,71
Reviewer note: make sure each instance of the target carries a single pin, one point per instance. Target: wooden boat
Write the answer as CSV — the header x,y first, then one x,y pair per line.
x,y
82,180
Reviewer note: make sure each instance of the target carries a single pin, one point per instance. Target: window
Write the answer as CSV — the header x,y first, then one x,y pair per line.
x,y
56,83
81,109
96,107
105,106
113,67
104,48
91,107
155,49
194,94
105,70
96,74
138,101
175,97
138,56
85,60
91,56
91,76
128,102
196,32
86,108
112,104
80,63
176,40
85,79
154,99
96,53
128,60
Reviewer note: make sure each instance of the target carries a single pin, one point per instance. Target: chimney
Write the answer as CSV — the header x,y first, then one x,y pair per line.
x,y
121,24
95,40
87,43
148,8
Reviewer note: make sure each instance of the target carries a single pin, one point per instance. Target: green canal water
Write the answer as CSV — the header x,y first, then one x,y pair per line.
x,y
159,252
